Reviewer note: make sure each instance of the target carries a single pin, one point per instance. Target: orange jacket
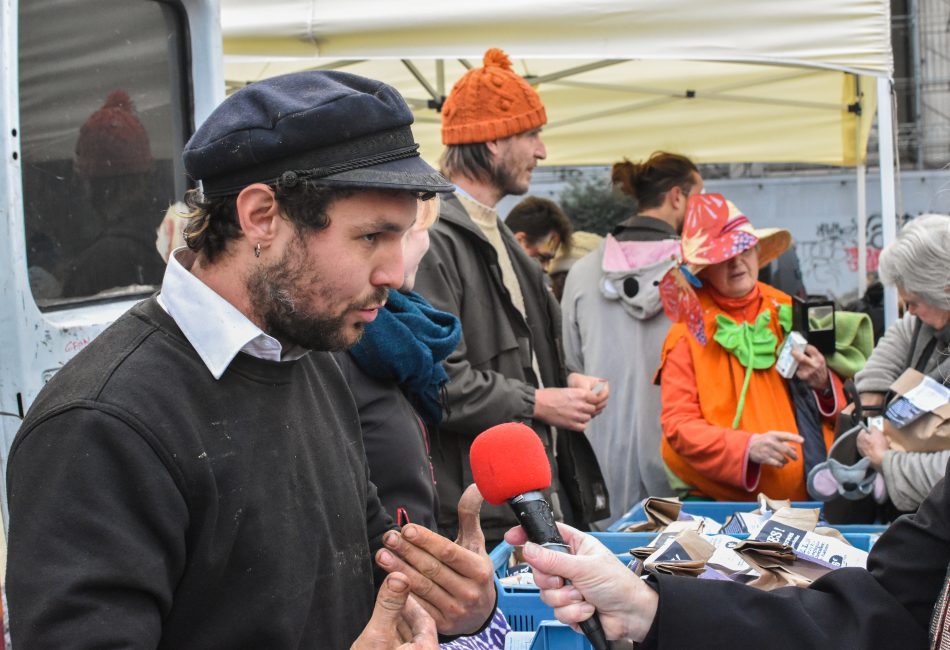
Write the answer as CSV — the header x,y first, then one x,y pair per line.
x,y
700,390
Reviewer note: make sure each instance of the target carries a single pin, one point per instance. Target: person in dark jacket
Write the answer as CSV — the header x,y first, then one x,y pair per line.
x,y
900,599
508,365
195,477
396,376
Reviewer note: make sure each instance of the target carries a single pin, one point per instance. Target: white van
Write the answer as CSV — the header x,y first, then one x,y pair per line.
x,y
99,97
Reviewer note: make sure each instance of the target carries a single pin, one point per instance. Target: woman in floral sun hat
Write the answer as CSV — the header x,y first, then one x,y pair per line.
x,y
732,425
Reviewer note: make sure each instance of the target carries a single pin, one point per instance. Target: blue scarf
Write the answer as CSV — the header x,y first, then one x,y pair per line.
x,y
406,344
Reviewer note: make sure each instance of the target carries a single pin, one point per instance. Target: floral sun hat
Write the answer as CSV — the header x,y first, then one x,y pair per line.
x,y
714,231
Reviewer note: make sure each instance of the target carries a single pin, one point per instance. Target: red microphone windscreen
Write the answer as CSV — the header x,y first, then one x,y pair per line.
x,y
508,460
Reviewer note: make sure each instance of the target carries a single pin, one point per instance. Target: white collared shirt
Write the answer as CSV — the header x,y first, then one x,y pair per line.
x,y
216,329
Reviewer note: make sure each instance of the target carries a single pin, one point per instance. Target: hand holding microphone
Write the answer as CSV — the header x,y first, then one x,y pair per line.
x,y
509,465
591,580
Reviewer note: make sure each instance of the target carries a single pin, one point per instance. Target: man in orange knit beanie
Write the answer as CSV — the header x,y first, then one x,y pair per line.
x,y
507,366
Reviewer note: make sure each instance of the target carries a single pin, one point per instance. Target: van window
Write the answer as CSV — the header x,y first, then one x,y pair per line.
x,y
103,118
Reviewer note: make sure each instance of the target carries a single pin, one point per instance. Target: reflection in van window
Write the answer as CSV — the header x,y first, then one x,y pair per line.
x,y
102,122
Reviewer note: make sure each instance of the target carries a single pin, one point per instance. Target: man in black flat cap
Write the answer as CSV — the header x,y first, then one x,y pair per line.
x,y
195,478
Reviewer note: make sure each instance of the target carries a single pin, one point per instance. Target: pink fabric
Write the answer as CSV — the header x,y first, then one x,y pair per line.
x,y
751,471
828,406
622,256
825,483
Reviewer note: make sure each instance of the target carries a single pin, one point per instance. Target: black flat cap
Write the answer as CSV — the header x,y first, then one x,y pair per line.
x,y
331,127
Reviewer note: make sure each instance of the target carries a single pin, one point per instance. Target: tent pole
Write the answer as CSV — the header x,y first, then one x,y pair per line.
x,y
861,188
862,230
885,146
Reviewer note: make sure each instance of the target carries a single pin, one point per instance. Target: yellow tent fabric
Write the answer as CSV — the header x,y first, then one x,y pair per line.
x,y
728,81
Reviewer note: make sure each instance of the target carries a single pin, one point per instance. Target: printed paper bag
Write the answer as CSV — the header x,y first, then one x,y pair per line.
x,y
918,418
802,518
830,550
726,561
685,555
779,566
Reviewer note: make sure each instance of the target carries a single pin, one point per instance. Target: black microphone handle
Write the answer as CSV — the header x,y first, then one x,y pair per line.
x,y
537,519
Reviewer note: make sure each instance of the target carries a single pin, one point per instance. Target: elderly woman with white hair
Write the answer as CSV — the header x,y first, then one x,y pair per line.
x,y
918,264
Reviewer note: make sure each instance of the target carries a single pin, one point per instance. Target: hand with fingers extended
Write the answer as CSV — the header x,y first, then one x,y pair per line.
x,y
453,581
566,408
598,582
399,622
772,448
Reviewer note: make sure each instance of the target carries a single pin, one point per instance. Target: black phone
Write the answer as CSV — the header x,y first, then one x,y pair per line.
x,y
814,318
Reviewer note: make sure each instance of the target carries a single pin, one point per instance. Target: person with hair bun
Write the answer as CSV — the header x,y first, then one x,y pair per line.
x,y
661,185
613,326
916,263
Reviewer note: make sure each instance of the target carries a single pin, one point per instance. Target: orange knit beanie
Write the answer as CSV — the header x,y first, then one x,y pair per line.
x,y
490,103
113,141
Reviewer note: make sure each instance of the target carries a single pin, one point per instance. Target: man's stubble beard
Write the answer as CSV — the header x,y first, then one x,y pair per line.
x,y
274,291
506,180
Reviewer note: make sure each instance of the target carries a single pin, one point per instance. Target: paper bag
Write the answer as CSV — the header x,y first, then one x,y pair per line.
x,y
685,555
767,504
779,566
660,513
802,518
726,561
918,418
675,529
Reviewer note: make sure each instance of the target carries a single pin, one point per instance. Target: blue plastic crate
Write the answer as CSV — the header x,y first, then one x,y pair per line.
x,y
722,510
522,603
552,635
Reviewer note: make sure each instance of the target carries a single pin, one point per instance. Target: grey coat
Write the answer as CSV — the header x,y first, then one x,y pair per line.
x,y
603,339
908,476
491,379
890,356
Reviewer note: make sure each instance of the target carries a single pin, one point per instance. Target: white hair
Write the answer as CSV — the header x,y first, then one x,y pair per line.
x,y
919,260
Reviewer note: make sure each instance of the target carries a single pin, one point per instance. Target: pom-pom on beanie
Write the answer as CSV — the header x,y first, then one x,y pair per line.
x,y
490,103
113,141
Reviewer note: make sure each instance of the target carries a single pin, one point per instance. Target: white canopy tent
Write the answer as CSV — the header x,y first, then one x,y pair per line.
x,y
728,81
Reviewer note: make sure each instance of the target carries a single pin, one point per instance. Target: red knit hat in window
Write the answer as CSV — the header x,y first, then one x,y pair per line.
x,y
490,103
113,141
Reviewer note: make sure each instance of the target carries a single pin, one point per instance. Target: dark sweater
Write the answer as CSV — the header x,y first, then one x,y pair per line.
x,y
397,447
152,506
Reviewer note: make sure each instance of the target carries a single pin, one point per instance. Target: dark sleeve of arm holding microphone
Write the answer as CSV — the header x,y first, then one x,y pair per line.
x,y
888,606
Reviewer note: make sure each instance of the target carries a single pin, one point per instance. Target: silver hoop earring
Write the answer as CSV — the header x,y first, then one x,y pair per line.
x,y
257,250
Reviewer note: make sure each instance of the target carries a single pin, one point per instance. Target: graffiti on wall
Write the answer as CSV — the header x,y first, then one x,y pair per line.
x,y
833,252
